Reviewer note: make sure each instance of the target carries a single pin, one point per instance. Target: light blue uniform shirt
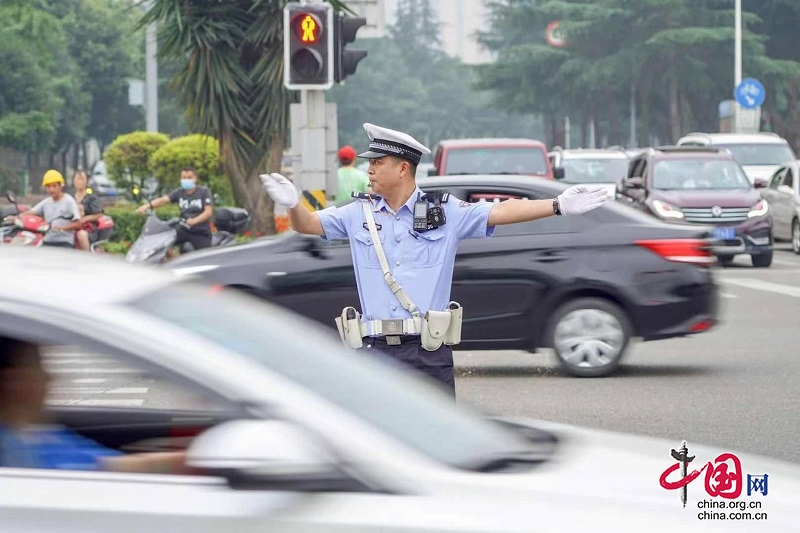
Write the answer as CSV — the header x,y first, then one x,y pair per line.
x,y
422,263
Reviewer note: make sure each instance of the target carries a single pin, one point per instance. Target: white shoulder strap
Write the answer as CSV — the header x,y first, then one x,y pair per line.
x,y
405,301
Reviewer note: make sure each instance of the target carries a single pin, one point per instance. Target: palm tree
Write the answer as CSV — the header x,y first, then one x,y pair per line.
x,y
231,84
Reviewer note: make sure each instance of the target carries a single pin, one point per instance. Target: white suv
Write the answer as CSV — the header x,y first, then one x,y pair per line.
x,y
760,154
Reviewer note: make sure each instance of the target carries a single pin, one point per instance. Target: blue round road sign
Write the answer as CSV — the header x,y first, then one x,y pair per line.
x,y
750,93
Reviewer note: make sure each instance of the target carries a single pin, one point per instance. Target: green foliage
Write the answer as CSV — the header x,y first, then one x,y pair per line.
x,y
675,56
230,82
407,83
65,71
128,223
199,151
128,157
10,180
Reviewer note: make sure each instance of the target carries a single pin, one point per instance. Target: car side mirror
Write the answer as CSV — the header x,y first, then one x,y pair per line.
x,y
760,184
269,454
633,183
558,173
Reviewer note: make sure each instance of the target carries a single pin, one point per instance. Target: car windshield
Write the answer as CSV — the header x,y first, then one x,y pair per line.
x,y
371,389
699,174
760,154
499,160
586,170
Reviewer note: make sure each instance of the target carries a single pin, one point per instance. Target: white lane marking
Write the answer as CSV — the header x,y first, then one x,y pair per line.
x,y
785,262
99,390
89,380
757,271
94,371
766,286
98,403
727,295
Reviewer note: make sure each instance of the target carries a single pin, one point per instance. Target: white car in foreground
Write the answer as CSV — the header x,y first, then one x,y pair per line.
x,y
294,433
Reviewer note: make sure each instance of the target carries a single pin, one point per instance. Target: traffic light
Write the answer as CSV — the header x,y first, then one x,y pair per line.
x,y
308,50
346,61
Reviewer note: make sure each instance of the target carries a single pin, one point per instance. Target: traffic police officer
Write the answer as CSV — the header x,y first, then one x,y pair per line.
x,y
404,245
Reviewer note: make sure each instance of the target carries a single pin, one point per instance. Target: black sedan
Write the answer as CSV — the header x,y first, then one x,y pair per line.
x,y
583,285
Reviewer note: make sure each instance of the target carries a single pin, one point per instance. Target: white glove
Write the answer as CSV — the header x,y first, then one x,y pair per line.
x,y
280,189
580,199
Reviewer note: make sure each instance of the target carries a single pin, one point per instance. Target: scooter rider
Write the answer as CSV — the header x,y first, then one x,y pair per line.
x,y
404,244
60,210
196,203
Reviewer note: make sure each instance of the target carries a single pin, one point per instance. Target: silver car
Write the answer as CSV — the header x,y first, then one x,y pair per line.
x,y
293,433
783,194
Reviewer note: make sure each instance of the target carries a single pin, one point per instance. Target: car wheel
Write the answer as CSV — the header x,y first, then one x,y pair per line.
x,y
762,260
725,260
589,336
796,236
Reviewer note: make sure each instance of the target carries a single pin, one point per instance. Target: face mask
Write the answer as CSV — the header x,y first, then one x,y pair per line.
x,y
187,184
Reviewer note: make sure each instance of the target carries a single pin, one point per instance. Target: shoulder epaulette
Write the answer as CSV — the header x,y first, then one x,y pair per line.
x,y
443,196
365,196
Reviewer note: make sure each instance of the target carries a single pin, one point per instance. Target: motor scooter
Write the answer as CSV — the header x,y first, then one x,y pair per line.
x,y
29,229
159,236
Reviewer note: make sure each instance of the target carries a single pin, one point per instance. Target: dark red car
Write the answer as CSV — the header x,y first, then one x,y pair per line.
x,y
491,156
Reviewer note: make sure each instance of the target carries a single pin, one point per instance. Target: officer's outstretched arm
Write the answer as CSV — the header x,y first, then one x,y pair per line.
x,y
574,201
304,221
283,192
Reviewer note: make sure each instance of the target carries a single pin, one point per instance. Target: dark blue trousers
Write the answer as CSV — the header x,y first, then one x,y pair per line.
x,y
437,365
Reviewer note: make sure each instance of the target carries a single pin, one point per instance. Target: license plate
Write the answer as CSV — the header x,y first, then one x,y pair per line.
x,y
724,234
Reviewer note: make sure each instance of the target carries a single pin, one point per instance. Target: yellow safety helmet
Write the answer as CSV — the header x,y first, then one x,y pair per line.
x,y
52,176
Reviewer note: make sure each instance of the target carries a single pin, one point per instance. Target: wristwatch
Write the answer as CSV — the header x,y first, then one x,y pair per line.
x,y
556,207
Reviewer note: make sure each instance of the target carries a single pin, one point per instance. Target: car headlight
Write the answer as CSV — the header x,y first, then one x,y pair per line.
x,y
665,210
188,271
759,210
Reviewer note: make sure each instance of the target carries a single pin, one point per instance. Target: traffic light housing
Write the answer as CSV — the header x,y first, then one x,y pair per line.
x,y
346,61
308,46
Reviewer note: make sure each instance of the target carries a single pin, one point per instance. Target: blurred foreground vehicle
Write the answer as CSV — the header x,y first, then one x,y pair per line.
x,y
783,195
291,432
590,166
455,157
581,285
702,186
760,154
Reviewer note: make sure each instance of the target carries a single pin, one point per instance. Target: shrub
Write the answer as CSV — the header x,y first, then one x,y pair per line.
x,y
199,151
128,157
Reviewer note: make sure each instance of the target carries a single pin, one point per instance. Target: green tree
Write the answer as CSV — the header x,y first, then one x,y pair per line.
x,y
30,100
675,55
128,158
781,72
408,83
107,52
196,150
231,83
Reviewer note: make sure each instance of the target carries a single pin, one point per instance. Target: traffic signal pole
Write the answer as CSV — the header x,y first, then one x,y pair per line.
x,y
314,143
314,60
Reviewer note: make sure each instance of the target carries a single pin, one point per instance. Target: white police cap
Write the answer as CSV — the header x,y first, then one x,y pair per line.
x,y
384,141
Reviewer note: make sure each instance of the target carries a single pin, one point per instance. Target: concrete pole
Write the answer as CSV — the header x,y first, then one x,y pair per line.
x,y
738,45
151,77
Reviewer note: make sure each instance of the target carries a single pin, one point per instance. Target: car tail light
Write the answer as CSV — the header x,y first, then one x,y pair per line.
x,y
703,325
695,251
